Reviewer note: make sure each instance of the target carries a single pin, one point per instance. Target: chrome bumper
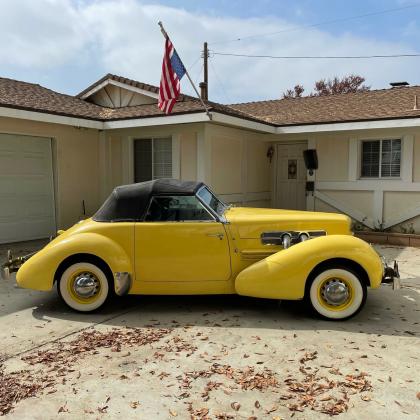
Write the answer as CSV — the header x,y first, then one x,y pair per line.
x,y
392,275
12,264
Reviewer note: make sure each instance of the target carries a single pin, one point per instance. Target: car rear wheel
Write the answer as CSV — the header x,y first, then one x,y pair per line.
x,y
336,293
84,287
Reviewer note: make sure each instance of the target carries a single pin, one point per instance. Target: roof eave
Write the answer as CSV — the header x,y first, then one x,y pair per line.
x,y
366,124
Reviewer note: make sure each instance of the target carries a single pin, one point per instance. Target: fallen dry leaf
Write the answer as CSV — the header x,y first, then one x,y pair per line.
x,y
235,406
63,409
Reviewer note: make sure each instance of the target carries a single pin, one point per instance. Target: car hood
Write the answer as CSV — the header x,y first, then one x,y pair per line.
x,y
251,222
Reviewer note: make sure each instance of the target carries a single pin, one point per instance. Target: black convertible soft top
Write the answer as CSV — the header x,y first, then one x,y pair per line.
x,y
129,203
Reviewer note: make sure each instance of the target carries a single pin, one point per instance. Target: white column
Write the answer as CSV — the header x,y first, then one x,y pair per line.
x,y
353,170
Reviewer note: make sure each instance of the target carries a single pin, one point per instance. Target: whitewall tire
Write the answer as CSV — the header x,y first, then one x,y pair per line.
x,y
336,293
84,287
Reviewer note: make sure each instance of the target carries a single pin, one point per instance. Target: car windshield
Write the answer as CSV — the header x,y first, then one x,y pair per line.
x,y
207,197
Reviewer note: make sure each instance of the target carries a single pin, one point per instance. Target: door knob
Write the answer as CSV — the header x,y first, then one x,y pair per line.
x,y
216,235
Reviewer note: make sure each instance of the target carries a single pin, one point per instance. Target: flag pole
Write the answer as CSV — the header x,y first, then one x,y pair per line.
x,y
188,75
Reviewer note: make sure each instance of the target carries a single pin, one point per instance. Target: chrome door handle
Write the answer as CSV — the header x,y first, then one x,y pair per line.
x,y
216,235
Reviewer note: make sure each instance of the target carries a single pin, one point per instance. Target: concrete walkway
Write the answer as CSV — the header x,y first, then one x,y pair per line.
x,y
215,357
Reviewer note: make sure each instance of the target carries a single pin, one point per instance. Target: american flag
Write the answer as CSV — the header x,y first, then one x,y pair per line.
x,y
172,72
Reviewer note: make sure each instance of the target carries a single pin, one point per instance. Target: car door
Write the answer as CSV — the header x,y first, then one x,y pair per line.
x,y
181,241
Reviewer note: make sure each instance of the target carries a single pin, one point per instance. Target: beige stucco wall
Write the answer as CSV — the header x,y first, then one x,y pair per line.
x,y
334,160
76,165
233,162
188,155
118,151
88,164
239,169
332,157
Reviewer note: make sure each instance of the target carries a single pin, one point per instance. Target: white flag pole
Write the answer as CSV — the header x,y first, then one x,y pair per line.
x,y
187,74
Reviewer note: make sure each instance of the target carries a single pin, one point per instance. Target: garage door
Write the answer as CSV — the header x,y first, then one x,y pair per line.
x,y
27,208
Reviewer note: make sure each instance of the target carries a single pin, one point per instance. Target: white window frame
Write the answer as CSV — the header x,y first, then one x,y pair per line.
x,y
380,177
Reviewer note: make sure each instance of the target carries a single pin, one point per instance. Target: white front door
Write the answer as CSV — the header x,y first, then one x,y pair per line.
x,y
290,177
26,188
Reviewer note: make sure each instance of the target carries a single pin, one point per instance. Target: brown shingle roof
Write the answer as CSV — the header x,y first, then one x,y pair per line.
x,y
359,106
33,97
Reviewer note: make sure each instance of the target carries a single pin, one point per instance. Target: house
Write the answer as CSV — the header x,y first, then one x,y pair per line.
x,y
61,155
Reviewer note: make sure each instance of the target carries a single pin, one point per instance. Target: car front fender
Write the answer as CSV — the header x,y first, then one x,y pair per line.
x,y
283,275
38,272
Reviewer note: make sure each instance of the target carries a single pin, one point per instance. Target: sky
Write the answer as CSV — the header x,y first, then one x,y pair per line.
x,y
66,45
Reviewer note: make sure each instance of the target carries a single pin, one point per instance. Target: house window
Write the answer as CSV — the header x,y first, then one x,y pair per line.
x,y
152,159
381,158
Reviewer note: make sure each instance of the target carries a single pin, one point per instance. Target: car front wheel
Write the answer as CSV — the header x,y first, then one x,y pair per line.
x,y
336,293
84,287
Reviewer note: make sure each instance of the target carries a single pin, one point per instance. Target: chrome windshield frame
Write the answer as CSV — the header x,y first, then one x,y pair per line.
x,y
219,217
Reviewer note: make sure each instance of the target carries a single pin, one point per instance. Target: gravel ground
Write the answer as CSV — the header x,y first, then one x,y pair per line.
x,y
218,357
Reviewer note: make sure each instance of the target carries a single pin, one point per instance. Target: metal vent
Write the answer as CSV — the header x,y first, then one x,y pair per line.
x,y
399,84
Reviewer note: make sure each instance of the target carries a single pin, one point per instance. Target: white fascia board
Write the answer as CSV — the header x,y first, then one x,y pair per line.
x,y
95,89
121,85
242,123
50,118
190,118
349,126
153,121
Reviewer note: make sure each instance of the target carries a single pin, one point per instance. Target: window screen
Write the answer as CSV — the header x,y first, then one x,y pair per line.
x,y
152,159
178,208
391,158
381,158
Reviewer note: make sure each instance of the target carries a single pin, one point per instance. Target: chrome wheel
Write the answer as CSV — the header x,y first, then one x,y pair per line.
x,y
86,285
335,292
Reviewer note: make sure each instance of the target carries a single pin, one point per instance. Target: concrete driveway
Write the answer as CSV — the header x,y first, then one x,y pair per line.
x,y
211,357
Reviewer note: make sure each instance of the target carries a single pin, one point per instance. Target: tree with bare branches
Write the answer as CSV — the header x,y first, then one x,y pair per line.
x,y
323,87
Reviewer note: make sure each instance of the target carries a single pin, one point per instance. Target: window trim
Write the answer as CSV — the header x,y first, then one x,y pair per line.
x,y
213,218
151,138
380,177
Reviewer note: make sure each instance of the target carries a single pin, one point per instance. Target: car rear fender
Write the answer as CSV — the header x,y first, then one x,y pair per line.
x,y
283,275
39,271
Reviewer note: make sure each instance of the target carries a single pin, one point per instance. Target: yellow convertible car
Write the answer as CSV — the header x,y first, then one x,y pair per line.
x,y
171,237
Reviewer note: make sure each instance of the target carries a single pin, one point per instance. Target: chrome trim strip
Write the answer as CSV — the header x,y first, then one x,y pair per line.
x,y
276,237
